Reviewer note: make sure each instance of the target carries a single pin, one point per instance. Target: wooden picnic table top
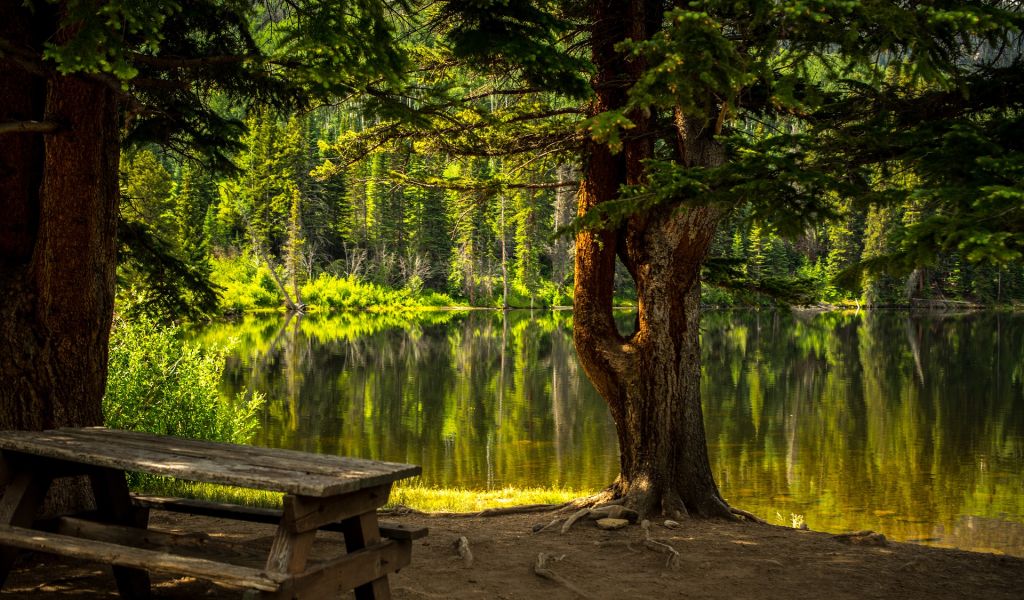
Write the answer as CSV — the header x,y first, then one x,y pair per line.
x,y
270,469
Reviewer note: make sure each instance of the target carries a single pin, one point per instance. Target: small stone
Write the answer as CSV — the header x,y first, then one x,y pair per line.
x,y
612,524
537,527
672,524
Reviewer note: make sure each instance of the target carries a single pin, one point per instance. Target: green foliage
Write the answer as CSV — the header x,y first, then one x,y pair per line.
x,y
333,293
158,383
515,34
245,284
248,286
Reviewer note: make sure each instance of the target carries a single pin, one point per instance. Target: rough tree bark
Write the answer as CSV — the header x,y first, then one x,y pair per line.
x,y
650,378
59,197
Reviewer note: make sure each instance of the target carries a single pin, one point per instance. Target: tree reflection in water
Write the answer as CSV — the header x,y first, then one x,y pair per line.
x,y
908,425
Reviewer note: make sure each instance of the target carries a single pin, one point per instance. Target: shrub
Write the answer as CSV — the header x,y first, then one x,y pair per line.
x,y
158,383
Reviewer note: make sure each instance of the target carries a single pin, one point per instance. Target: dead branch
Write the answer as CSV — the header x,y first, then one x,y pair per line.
x,y
462,547
540,569
28,127
672,561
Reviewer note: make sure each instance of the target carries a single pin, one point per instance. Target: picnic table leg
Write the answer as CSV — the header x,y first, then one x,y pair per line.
x,y
114,505
289,552
360,532
24,494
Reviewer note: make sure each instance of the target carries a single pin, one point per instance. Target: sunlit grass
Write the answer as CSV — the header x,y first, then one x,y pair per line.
x,y
435,499
415,496
161,486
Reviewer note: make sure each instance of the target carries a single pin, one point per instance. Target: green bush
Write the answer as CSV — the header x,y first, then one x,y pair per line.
x,y
158,383
245,286
328,292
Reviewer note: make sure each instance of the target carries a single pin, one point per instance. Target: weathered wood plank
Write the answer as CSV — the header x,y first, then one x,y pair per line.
x,y
303,513
209,462
254,514
185,544
323,464
290,550
226,574
353,570
273,458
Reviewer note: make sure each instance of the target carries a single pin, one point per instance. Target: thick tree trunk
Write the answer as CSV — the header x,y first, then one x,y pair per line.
x,y
650,378
59,248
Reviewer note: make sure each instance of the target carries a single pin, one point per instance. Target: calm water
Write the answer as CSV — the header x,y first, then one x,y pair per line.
x,y
912,426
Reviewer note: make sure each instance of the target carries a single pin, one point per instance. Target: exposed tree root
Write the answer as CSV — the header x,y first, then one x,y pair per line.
x,y
576,516
672,559
748,516
541,570
594,505
604,497
462,547
519,510
552,524
608,511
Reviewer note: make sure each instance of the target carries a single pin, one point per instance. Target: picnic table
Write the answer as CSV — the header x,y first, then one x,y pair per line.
x,y
331,493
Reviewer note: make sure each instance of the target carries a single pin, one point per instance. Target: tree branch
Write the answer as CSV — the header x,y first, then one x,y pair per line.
x,y
177,62
28,127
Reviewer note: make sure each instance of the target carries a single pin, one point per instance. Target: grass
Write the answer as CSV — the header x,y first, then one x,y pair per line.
x,y
416,496
433,499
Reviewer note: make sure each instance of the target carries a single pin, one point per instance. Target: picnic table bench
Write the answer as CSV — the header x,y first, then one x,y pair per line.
x,y
321,492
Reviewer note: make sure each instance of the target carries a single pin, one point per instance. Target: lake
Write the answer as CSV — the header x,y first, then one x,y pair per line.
x,y
911,425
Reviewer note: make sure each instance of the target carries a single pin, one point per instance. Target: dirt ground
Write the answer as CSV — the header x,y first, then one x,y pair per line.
x,y
717,560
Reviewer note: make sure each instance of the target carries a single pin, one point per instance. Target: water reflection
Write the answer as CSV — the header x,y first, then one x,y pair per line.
x,y
479,401
913,426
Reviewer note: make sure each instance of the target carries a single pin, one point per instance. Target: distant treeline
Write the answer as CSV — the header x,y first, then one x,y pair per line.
x,y
398,226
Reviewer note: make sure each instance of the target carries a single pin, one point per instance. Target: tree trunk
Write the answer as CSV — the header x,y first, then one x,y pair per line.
x,y
59,194
59,252
504,257
650,378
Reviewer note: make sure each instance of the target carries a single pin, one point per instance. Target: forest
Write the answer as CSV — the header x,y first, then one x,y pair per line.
x,y
408,223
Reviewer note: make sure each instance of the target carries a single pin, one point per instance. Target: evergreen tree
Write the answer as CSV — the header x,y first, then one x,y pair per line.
x,y
140,72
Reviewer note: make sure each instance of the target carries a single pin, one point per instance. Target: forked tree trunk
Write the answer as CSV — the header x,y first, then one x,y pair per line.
x,y
59,196
651,377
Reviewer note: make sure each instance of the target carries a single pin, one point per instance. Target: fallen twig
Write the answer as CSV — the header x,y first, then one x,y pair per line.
x,y
541,570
